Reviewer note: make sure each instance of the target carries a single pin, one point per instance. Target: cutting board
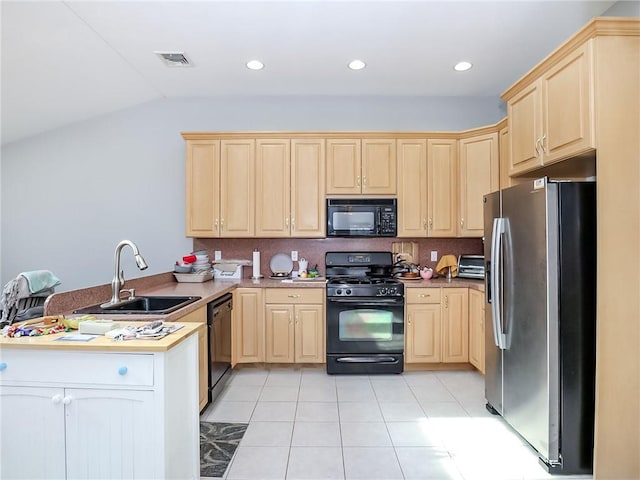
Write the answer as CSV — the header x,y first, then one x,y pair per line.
x,y
407,251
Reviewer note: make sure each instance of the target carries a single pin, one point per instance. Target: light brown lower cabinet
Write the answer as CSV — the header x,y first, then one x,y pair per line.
x,y
248,325
294,325
437,325
200,316
476,329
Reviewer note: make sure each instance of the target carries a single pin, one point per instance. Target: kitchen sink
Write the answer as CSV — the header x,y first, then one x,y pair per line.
x,y
152,305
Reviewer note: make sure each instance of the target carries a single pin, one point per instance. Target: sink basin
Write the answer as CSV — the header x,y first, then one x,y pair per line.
x,y
152,305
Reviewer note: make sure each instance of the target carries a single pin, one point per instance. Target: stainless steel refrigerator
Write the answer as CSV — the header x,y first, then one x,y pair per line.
x,y
540,284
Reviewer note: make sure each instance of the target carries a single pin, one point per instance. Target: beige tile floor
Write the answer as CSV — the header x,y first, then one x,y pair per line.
x,y
305,424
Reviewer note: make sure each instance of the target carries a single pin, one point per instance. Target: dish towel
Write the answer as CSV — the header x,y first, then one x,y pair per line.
x,y
447,261
40,280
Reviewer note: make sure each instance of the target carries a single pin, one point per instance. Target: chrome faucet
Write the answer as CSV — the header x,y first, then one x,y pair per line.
x,y
118,275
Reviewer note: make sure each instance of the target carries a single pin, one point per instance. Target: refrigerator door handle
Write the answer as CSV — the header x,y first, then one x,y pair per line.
x,y
496,281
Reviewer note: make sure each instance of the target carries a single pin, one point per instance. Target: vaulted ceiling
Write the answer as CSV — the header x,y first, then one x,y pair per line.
x,y
64,62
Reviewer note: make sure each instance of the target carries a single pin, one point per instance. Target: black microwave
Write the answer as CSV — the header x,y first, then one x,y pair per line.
x,y
362,217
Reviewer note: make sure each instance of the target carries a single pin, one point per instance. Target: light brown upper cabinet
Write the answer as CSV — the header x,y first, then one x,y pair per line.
x,y
220,188
237,188
442,189
290,188
553,117
479,175
412,187
273,185
357,167
504,147
308,211
203,188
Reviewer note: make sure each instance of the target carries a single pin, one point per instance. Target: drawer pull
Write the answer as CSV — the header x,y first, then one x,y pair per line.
x,y
423,295
3,366
294,296
123,370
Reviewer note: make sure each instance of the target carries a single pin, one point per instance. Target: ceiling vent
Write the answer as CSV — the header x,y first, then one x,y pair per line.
x,y
174,59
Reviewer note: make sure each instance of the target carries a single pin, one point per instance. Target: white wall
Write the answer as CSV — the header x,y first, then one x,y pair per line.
x,y
70,195
624,9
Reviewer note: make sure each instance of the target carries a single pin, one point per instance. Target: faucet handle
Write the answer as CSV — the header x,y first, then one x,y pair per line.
x,y
130,291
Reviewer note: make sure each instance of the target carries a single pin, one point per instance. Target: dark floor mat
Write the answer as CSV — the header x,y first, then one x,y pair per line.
x,y
218,442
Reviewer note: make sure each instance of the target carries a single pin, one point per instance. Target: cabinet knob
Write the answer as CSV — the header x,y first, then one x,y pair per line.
x,y
3,366
67,400
56,399
123,370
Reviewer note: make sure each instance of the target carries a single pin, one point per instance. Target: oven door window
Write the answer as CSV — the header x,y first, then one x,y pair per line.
x,y
356,222
364,324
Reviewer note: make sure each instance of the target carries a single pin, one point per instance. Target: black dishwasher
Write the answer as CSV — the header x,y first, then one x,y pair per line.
x,y
219,327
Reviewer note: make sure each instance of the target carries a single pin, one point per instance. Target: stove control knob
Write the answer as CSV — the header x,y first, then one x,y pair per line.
x,y
347,291
382,291
338,292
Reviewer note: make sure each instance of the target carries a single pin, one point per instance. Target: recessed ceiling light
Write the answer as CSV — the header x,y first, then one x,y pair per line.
x,y
462,66
255,65
357,64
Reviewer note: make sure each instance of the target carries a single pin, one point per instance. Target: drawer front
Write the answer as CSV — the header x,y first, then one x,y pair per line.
x,y
18,366
423,295
294,295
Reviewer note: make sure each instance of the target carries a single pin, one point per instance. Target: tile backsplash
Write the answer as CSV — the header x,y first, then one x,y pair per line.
x,y
314,249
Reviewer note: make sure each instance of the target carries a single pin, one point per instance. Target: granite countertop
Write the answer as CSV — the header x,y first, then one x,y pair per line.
x,y
165,285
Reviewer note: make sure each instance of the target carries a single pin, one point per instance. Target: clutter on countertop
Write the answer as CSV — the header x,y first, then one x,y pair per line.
x,y
448,265
229,269
151,331
198,277
35,327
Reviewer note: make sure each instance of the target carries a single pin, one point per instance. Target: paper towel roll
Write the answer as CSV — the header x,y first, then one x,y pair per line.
x,y
256,264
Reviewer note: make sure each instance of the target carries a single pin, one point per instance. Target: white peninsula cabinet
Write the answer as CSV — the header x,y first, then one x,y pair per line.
x,y
83,414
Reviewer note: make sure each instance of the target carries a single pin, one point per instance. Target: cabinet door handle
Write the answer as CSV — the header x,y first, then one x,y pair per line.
x,y
221,223
446,301
538,142
293,223
216,225
67,400
409,320
56,399
544,137
364,180
462,223
286,222
424,223
430,224
358,180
